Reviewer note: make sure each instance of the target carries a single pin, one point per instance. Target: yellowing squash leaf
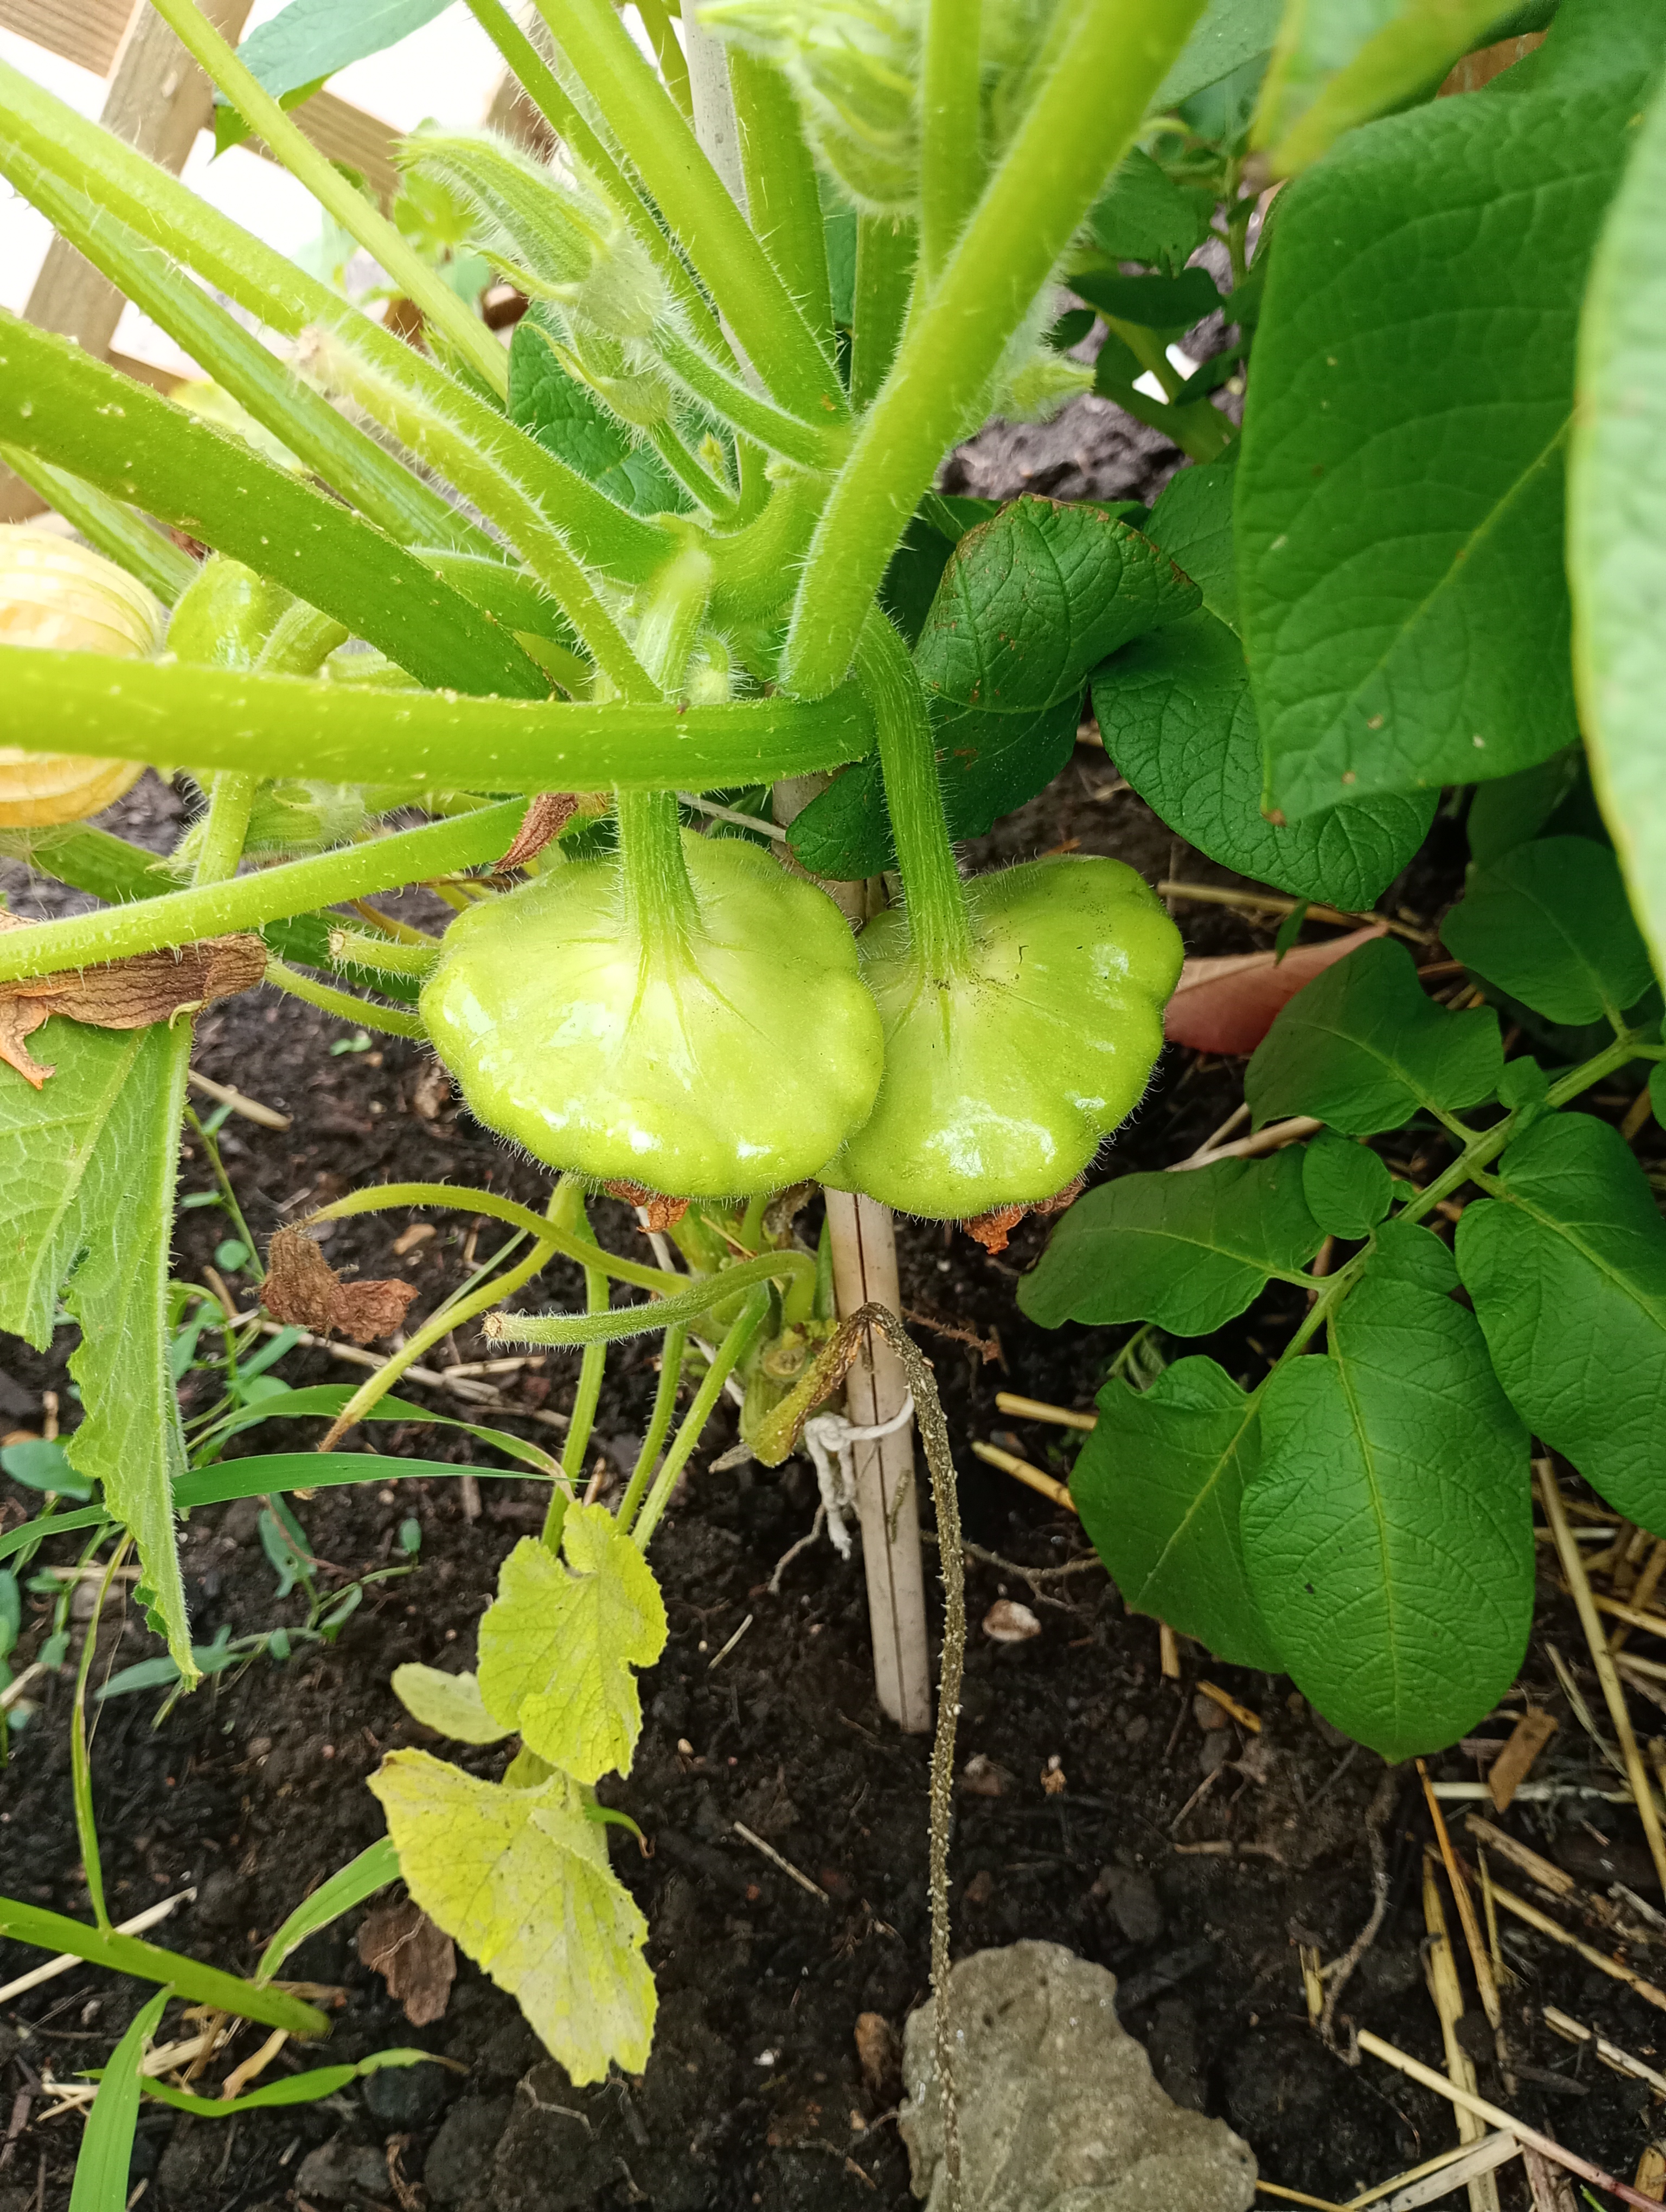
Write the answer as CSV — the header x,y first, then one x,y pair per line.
x,y
520,1878
451,1704
558,1645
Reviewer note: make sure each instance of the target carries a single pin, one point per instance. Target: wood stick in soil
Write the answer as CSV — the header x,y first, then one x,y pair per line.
x,y
1445,1989
887,1501
1613,1692
1415,2071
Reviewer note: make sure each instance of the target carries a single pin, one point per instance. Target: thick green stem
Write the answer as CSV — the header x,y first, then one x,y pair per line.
x,y
656,21
288,144
665,1410
302,641
226,827
1083,115
741,1336
342,1004
754,568
221,718
702,218
378,1198
249,901
381,955
782,199
687,1304
659,908
886,248
811,444
935,900
951,149
707,489
118,532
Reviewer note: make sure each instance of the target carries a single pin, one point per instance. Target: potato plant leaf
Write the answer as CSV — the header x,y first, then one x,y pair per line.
x,y
295,51
1549,922
1177,714
558,1645
1226,35
1348,1188
1159,1485
555,408
1030,602
1144,215
520,1878
87,1181
1185,1249
1401,488
1363,1049
1617,523
1191,522
1568,1270
1388,1530
451,1704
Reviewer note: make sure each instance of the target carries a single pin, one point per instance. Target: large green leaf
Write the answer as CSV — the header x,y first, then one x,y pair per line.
x,y
292,53
1548,922
1400,488
520,1878
1389,1531
1028,604
1177,715
1617,524
1191,519
132,444
1568,1269
1227,34
555,408
1186,1250
1362,1047
1159,1485
1144,215
87,1177
560,1643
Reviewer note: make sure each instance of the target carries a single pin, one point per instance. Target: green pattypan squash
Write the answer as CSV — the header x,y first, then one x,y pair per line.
x,y
1001,1081
730,1056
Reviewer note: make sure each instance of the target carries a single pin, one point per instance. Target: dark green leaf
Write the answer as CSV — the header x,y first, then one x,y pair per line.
x,y
107,2148
310,39
1568,1270
1550,923
839,237
1227,34
1505,814
1177,715
568,422
1159,1485
1186,1250
1144,215
1657,1090
1400,490
132,444
1347,1186
1192,521
913,575
1157,303
1617,518
1362,1049
1524,1087
1028,601
1389,1531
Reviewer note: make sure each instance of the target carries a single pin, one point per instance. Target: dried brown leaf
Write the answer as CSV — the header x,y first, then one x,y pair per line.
x,y
125,994
303,1291
417,1960
662,1212
993,1229
540,825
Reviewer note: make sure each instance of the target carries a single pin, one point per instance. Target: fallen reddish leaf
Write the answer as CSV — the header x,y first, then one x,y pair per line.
x,y
303,1291
1228,1006
417,1960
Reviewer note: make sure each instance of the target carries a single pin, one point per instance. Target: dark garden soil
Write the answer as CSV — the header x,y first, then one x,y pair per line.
x,y
1079,1823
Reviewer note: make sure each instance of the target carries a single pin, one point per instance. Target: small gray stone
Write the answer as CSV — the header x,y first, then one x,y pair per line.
x,y
1058,2109
459,2160
1134,1902
191,2160
404,2097
10,2042
339,2171
1217,1750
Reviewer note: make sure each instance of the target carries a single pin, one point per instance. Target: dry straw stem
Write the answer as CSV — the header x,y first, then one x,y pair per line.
x,y
1273,1139
1642,1590
1037,1409
1441,1970
1519,1908
1543,1871
1422,2184
1515,1762
786,1866
1633,1616
267,1117
1530,2138
1478,1957
1300,2196
1603,1659
1276,903
1021,1471
1621,2061
1241,1714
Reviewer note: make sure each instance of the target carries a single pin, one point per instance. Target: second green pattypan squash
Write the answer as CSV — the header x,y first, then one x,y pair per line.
x,y
716,1043
1003,1075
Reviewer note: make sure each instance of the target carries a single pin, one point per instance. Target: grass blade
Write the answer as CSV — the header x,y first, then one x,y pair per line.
x,y
107,2148
373,1869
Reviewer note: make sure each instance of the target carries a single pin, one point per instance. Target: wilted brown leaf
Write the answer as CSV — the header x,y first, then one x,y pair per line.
x,y
543,822
993,1229
125,994
880,2055
303,1291
417,1960
662,1212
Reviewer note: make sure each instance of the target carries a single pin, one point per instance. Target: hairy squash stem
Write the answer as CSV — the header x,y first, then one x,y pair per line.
x,y
1085,112
939,928
951,165
742,1334
783,198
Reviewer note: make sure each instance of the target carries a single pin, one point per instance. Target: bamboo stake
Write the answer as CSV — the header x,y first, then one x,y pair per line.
x,y
1574,1568
1530,2138
887,1500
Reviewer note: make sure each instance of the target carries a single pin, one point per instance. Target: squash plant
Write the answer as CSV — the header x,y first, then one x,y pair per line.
x,y
679,538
